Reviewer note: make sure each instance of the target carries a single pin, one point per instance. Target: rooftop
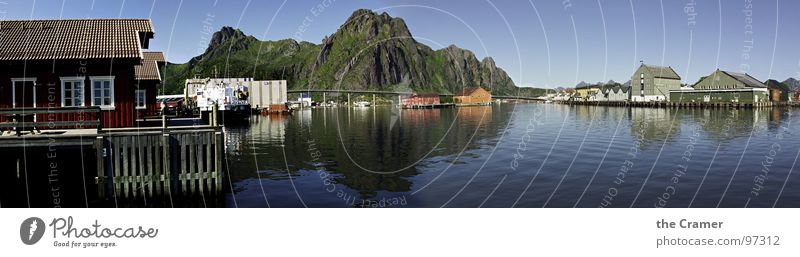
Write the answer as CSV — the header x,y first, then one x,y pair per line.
x,y
468,91
748,80
662,72
149,69
73,39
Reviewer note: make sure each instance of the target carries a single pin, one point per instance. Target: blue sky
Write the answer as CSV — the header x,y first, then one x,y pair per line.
x,y
539,43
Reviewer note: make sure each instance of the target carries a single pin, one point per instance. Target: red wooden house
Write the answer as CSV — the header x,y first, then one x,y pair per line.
x,y
420,100
79,62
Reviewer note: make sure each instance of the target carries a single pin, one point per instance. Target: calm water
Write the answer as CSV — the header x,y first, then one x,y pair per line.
x,y
520,155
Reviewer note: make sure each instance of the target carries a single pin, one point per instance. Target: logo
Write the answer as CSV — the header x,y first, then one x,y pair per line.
x,y
31,230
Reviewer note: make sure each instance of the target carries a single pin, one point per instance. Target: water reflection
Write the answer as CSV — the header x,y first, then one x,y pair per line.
x,y
460,156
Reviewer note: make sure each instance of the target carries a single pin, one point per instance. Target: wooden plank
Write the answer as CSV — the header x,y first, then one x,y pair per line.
x,y
184,171
150,172
116,153
159,169
208,138
142,182
165,153
27,110
192,144
200,162
125,152
100,179
218,160
133,182
71,124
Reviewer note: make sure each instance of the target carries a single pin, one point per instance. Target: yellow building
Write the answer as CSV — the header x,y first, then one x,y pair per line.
x,y
473,96
583,92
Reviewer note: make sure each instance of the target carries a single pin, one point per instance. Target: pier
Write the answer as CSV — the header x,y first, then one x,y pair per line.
x,y
121,163
683,104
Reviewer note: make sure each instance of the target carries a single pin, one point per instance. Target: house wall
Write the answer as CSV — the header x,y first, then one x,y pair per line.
x,y
610,96
720,96
151,88
480,96
652,88
585,92
420,100
619,96
48,87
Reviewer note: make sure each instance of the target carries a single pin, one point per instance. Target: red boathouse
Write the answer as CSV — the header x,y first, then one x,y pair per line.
x,y
415,100
80,62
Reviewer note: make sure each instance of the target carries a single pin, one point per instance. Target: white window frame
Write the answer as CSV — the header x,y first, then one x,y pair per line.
x,y
64,80
136,99
92,79
14,90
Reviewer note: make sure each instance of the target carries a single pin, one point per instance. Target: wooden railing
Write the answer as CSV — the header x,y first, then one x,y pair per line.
x,y
133,163
23,119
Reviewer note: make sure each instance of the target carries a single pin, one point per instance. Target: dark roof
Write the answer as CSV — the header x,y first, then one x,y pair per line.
x,y
662,72
748,80
73,39
149,69
775,84
467,91
615,87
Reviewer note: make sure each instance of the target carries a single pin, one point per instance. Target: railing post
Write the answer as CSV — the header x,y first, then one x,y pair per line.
x,y
213,116
99,120
100,180
167,162
163,121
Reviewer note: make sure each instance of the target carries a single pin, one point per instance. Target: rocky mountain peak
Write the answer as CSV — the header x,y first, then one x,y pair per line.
x,y
375,25
224,34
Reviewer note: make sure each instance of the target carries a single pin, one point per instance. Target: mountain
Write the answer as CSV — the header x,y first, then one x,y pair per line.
x,y
792,83
582,84
369,51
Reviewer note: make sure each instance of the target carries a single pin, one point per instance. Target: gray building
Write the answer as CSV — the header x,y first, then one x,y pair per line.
x,y
652,83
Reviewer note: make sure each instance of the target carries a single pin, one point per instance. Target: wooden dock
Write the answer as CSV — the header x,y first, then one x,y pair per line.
x,y
128,162
149,162
427,106
139,162
683,104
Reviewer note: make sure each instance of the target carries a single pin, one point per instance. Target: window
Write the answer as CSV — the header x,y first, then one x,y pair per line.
x,y
641,76
141,95
103,92
23,92
72,91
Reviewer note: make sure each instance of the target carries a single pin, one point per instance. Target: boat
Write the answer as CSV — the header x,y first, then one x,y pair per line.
x,y
362,104
230,95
